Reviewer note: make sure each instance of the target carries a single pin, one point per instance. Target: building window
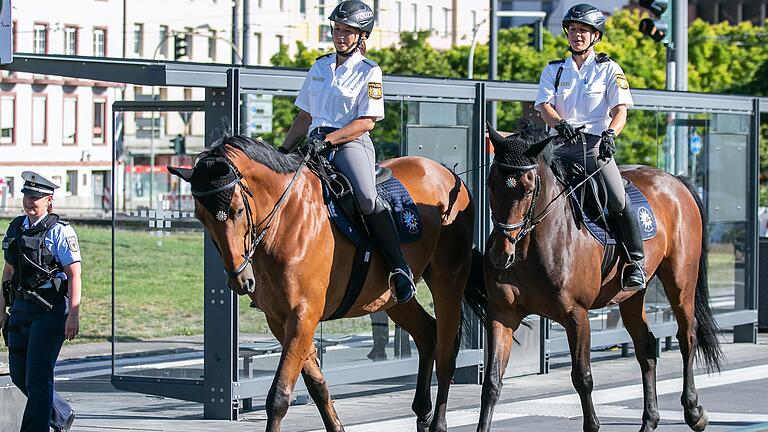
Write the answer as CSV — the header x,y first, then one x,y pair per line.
x,y
303,8
71,186
325,33
164,35
257,44
70,40
399,12
445,22
39,119
99,42
279,41
415,10
99,121
7,118
321,9
282,5
212,44
40,39
429,17
69,123
138,39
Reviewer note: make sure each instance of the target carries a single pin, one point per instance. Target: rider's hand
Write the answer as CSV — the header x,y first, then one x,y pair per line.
x,y
72,325
607,144
283,150
565,130
317,143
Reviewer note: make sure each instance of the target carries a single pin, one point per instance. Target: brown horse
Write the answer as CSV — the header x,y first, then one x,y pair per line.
x,y
539,262
265,213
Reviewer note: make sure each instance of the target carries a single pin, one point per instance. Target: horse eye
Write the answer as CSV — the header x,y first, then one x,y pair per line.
x,y
239,212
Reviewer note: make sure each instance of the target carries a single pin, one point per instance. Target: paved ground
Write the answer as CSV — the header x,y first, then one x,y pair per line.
x,y
735,400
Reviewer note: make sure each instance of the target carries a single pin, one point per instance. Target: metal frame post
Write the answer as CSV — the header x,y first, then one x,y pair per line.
x,y
220,309
748,332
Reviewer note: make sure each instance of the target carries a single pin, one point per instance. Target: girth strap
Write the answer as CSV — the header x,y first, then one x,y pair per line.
x,y
360,266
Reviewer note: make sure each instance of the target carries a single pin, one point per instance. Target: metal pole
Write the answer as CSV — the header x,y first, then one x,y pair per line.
x,y
235,31
471,60
670,150
492,56
246,48
680,41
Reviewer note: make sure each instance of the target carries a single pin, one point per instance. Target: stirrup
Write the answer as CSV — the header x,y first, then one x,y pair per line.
x,y
636,264
399,271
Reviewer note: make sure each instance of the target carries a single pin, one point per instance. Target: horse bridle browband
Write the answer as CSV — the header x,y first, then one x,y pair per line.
x,y
266,222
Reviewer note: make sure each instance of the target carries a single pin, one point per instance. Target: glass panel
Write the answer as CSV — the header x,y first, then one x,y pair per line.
x,y
158,255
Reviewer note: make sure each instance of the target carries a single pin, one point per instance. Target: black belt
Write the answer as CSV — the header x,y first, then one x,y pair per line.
x,y
322,129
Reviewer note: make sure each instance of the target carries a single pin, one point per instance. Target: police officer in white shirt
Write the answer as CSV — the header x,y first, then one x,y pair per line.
x,y
339,104
591,91
41,276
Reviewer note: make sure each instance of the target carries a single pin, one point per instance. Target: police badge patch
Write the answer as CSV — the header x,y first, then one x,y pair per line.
x,y
72,243
374,90
621,81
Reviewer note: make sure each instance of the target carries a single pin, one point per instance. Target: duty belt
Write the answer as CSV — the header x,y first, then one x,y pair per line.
x,y
322,129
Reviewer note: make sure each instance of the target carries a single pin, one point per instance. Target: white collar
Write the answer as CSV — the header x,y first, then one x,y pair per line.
x,y
571,64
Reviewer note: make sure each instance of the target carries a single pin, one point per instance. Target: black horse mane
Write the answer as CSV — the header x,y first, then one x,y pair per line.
x,y
258,151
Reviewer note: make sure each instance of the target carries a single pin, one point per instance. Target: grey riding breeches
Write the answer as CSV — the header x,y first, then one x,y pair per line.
x,y
356,160
613,183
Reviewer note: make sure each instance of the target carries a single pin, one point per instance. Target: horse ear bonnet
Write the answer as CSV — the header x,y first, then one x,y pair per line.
x,y
513,152
212,173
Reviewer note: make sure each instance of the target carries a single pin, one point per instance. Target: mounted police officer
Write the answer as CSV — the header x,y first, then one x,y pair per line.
x,y
591,90
339,104
41,284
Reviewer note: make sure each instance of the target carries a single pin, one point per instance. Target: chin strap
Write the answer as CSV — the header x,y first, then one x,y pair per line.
x,y
591,44
353,49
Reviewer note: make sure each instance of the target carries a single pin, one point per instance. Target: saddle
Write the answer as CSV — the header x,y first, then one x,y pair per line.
x,y
589,201
343,211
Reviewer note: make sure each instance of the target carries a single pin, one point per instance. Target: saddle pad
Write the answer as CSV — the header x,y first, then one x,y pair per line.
x,y
641,207
404,212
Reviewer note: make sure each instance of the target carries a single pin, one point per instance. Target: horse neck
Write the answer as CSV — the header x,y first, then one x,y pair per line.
x,y
553,200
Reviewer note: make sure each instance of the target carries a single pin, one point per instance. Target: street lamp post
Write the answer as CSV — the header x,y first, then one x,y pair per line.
x,y
471,60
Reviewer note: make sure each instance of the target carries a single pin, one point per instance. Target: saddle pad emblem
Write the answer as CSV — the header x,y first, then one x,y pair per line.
x,y
409,220
645,218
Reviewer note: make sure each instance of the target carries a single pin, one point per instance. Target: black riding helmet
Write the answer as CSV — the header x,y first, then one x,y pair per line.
x,y
354,13
585,14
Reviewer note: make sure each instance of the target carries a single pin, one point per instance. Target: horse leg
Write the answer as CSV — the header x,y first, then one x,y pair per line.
x,y
500,339
448,313
315,382
680,288
421,326
297,345
633,316
579,338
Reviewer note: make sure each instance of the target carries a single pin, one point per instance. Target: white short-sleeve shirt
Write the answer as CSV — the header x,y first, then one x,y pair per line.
x,y
334,97
585,96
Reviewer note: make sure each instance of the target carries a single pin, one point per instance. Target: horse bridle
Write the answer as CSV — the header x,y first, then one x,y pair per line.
x,y
527,224
266,222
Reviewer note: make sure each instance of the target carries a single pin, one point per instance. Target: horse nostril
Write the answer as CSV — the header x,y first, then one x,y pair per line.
x,y
250,285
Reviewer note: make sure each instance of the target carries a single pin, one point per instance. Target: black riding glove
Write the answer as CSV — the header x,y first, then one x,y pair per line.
x,y
317,143
565,130
283,150
608,144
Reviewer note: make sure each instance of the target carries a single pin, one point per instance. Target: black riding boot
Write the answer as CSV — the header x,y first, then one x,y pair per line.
x,y
633,274
385,233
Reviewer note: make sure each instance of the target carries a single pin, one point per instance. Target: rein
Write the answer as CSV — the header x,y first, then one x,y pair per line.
x,y
266,222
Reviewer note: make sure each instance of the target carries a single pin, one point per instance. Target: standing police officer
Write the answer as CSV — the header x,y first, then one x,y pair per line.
x,y
41,284
591,90
339,104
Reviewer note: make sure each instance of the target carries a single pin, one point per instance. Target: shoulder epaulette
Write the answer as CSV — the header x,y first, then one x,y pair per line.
x,y
557,61
602,58
370,62
324,56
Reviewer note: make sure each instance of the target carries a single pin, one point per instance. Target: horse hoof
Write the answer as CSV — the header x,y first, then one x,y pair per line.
x,y
422,426
699,421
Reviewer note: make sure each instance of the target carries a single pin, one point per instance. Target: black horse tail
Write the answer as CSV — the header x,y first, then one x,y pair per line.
x,y
706,327
475,293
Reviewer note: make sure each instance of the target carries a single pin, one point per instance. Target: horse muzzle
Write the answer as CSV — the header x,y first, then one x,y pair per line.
x,y
501,253
243,282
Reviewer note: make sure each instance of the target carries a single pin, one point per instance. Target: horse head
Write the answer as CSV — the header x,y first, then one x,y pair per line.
x,y
513,185
226,207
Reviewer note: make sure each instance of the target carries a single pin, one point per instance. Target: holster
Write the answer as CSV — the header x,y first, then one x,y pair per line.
x,y
8,293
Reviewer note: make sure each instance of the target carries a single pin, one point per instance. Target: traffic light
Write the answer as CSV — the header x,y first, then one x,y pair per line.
x,y
535,37
179,144
180,46
658,28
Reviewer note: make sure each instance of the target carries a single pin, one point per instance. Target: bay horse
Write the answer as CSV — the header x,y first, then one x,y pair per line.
x,y
265,213
538,262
